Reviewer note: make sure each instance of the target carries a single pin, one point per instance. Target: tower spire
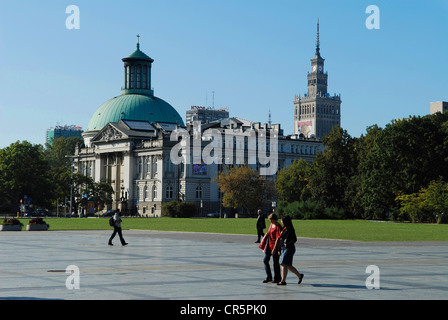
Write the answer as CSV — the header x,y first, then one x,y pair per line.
x,y
138,42
317,38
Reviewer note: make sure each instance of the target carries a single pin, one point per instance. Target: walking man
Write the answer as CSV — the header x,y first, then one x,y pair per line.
x,y
117,229
260,225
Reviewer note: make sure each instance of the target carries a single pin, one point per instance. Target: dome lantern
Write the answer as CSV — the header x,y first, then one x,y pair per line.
x,y
137,73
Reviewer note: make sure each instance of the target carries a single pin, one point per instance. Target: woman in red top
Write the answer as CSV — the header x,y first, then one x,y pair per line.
x,y
271,237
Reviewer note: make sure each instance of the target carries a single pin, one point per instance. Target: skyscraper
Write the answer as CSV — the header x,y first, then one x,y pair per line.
x,y
317,112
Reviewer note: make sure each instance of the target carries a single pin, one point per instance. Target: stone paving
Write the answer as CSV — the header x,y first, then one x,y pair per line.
x,y
203,266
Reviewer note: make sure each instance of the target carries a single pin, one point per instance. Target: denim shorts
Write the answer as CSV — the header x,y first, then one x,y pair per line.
x,y
287,254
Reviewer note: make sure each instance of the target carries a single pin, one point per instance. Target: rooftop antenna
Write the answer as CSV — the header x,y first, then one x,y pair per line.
x,y
317,39
213,100
269,119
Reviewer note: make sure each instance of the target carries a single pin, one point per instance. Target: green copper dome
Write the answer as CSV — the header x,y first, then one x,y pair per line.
x,y
137,100
133,107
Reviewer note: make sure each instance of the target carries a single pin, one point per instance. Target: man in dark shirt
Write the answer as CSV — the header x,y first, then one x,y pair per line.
x,y
260,225
117,229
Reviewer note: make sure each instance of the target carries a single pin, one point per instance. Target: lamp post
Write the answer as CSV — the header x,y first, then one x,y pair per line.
x,y
71,183
124,199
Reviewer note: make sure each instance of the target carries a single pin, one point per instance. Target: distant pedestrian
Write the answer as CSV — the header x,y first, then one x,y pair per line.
x,y
287,246
117,229
268,244
261,225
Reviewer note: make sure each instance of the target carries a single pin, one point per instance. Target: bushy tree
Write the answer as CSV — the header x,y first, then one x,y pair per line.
x,y
430,204
292,182
178,209
406,156
334,169
24,171
243,187
364,176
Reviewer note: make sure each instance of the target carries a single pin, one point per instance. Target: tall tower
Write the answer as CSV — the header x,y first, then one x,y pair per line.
x,y
317,112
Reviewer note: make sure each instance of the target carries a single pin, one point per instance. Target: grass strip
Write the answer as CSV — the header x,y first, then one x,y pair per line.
x,y
358,230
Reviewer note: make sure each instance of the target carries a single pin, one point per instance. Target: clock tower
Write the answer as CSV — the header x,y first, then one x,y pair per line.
x,y
317,112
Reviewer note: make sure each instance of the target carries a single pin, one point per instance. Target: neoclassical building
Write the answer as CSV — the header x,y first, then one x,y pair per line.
x,y
130,139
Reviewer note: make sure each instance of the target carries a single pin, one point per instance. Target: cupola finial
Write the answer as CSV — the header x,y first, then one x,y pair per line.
x,y
138,42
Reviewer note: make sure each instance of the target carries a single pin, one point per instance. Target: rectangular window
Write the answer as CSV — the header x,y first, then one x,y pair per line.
x,y
131,86
139,74
144,77
127,77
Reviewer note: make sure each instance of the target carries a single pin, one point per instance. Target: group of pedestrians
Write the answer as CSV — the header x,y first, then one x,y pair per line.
x,y
278,243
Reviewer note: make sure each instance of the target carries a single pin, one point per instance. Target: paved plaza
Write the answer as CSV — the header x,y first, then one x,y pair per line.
x,y
182,266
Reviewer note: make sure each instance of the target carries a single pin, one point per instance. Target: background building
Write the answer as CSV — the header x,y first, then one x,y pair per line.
x,y
439,106
63,131
316,113
206,114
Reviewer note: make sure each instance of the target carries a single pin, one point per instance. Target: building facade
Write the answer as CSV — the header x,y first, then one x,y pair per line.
x,y
135,158
317,112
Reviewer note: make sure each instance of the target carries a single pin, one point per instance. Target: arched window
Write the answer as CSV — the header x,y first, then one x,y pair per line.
x,y
147,165
154,166
154,192
145,193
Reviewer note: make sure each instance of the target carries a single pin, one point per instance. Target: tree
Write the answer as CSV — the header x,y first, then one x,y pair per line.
x,y
333,169
406,156
85,188
24,171
292,182
57,152
243,187
435,198
57,156
430,204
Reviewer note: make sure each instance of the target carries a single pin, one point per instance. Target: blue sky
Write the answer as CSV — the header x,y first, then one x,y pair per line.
x,y
254,56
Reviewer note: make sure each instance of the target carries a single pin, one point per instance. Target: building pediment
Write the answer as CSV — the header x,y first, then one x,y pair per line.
x,y
109,133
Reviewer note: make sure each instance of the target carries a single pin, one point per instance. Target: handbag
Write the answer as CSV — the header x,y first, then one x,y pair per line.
x,y
264,242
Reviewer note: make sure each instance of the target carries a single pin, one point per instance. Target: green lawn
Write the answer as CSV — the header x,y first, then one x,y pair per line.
x,y
332,229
